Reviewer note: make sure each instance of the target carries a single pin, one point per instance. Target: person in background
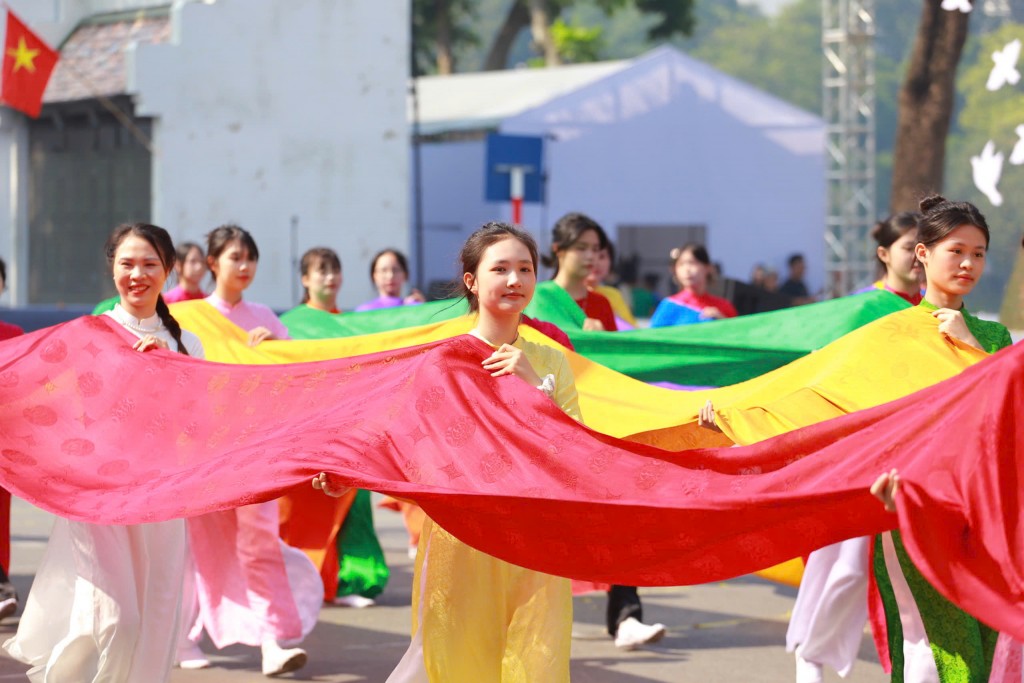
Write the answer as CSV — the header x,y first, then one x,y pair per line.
x,y
771,280
389,271
691,267
8,596
794,286
189,267
576,241
896,237
645,297
320,270
602,268
757,275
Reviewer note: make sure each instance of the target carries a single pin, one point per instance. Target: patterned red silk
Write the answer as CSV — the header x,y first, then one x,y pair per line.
x,y
95,431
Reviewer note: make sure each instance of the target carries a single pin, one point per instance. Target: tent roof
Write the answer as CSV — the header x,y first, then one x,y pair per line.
x,y
475,101
602,92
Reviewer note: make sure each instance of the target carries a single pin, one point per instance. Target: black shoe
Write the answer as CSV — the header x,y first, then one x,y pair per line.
x,y
8,600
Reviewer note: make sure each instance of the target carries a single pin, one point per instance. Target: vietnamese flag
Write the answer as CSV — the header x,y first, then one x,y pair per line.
x,y
28,63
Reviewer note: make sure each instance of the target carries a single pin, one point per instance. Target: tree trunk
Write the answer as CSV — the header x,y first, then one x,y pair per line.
x,y
516,20
445,60
1011,313
926,106
540,28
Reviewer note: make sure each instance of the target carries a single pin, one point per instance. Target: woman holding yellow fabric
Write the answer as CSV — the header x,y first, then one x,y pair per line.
x,y
475,617
930,639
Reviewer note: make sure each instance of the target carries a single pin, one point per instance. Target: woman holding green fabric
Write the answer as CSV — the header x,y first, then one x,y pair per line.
x,y
352,563
930,639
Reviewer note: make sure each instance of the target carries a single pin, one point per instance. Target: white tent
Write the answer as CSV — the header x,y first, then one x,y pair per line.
x,y
660,149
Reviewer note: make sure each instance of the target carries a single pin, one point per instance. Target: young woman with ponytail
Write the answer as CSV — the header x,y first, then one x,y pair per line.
x,y
246,586
104,604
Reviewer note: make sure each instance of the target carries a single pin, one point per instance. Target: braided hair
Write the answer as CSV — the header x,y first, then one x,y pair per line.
x,y
161,242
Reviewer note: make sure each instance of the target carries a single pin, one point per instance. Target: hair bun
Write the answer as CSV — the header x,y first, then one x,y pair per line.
x,y
877,230
930,202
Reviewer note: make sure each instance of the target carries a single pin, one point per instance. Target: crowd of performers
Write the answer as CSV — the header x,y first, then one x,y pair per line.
x,y
129,602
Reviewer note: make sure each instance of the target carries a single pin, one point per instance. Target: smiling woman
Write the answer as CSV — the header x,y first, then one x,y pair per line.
x,y
104,604
478,618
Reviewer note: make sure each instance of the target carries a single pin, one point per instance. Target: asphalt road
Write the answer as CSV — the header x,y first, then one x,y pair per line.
x,y
728,632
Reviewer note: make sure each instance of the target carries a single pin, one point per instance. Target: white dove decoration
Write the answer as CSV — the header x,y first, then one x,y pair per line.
x,y
1005,69
1017,155
986,170
954,5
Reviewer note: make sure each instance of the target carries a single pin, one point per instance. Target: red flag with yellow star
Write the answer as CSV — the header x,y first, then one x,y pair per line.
x,y
28,63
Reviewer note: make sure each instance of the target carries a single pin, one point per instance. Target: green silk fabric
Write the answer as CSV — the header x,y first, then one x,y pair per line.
x,y
361,566
715,353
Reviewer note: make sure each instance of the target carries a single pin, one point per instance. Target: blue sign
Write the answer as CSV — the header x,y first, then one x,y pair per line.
x,y
520,151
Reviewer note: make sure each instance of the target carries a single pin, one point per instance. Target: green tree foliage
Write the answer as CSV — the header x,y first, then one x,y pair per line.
x,y
577,43
988,116
429,17
780,54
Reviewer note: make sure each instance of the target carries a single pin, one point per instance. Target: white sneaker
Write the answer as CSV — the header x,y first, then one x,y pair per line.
x,y
633,633
412,552
277,660
356,601
191,657
808,672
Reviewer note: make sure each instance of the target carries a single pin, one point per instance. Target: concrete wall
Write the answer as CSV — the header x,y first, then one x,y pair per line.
x,y
274,113
268,113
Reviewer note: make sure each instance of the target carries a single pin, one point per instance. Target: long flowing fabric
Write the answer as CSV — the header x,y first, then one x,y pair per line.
x,y
718,353
500,467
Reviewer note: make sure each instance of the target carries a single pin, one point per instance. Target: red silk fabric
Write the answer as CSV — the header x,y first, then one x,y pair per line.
x,y
95,431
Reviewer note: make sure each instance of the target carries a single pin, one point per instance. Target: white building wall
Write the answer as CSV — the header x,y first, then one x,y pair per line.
x,y
273,111
265,111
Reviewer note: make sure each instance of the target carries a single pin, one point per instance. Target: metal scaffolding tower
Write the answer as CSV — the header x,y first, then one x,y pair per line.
x,y
848,105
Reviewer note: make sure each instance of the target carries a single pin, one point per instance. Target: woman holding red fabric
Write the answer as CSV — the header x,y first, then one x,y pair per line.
x,y
691,267
478,618
930,639
249,587
104,603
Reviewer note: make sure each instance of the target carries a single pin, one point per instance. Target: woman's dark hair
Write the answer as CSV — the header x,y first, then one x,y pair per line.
x,y
567,230
183,249
161,242
699,252
942,217
218,240
399,256
610,248
474,248
890,229
318,256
